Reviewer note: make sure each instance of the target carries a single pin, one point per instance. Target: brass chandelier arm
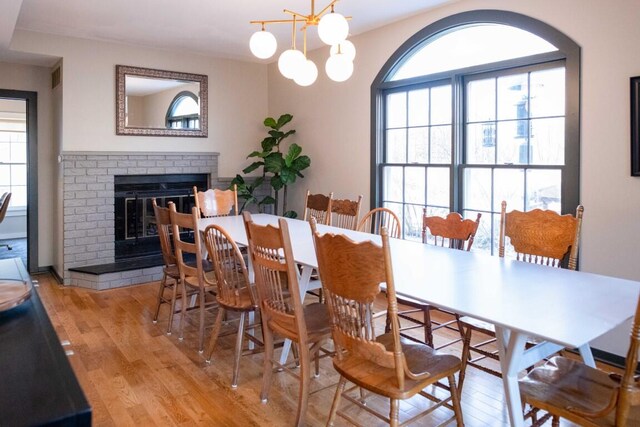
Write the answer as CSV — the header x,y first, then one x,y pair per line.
x,y
273,21
287,21
330,5
311,19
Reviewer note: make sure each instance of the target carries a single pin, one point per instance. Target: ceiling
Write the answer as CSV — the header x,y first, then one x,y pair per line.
x,y
210,27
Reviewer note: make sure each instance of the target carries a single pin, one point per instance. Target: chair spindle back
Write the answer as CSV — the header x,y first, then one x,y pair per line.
x,y
215,202
231,273
629,386
351,275
318,206
542,236
453,231
275,276
377,218
345,213
163,224
182,223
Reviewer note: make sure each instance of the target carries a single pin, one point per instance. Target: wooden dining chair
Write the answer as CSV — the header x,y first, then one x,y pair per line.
x,y
199,276
584,395
234,290
281,307
4,206
345,213
451,232
388,364
377,218
170,271
318,206
538,236
215,202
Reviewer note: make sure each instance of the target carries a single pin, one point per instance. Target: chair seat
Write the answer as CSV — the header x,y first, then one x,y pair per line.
x,y
420,358
174,272
574,388
193,281
241,302
316,317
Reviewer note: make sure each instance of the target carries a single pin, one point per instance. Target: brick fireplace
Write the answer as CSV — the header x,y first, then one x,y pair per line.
x,y
88,209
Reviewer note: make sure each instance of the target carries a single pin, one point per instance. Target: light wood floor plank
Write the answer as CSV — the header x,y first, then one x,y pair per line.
x,y
135,375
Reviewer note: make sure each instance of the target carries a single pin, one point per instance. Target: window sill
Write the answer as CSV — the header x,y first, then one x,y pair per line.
x,y
22,211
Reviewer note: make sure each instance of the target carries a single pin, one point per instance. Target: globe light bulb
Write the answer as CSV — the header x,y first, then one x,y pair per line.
x,y
307,73
338,67
290,62
346,48
333,28
263,44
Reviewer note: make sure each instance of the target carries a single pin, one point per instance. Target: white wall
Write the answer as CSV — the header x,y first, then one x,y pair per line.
x,y
237,97
333,121
38,79
85,116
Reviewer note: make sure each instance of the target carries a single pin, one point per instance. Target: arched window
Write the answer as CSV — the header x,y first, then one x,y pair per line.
x,y
184,112
474,109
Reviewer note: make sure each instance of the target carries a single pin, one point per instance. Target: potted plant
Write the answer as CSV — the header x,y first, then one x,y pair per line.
x,y
279,165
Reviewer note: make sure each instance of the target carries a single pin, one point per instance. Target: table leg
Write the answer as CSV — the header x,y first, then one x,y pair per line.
x,y
587,356
303,283
511,346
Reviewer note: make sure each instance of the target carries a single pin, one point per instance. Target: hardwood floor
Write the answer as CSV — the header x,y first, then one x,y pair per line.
x,y
134,374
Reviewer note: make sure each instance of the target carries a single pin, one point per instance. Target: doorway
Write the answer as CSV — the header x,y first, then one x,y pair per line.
x,y
18,176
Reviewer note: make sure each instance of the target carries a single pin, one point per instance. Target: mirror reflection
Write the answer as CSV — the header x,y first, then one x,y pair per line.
x,y
161,103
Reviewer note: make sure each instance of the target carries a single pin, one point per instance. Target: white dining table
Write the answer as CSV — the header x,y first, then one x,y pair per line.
x,y
560,308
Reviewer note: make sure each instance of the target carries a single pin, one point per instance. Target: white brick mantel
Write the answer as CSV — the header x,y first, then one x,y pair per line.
x,y
88,204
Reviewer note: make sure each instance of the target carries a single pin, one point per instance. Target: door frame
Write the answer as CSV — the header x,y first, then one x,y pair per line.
x,y
31,99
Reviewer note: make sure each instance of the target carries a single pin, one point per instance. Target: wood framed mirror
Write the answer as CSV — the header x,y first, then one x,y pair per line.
x,y
153,102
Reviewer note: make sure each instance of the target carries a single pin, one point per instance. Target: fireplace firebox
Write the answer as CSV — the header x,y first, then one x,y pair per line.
x,y
136,234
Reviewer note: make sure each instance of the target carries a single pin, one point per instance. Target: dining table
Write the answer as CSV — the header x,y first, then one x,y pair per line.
x,y
558,307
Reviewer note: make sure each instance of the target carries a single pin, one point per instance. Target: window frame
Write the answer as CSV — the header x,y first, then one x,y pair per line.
x,y
170,118
568,51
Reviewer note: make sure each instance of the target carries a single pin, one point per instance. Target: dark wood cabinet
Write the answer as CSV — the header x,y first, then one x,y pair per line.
x,y
37,384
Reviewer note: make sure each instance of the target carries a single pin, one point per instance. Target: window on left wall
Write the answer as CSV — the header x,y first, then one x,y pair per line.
x,y
13,157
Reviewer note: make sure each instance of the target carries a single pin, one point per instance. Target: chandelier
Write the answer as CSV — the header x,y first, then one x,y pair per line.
x,y
333,30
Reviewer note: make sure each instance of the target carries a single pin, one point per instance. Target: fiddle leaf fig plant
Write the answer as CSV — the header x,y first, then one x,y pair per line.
x,y
281,166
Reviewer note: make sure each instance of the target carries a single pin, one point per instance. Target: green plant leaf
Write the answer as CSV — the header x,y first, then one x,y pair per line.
x,y
273,163
255,154
276,183
268,200
294,152
283,120
238,180
288,176
270,122
288,133
301,163
268,143
290,214
253,166
276,134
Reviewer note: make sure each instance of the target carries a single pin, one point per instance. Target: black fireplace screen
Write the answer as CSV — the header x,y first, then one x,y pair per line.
x,y
135,226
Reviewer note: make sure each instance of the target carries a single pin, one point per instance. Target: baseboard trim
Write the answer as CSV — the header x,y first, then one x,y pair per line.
x,y
50,269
